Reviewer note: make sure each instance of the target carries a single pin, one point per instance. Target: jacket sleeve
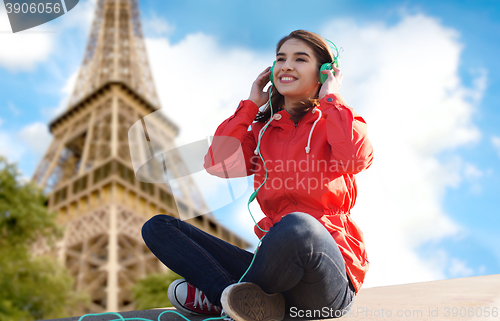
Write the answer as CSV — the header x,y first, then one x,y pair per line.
x,y
347,135
231,152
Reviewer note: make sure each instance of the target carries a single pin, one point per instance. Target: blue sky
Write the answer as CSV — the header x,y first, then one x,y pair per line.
x,y
425,75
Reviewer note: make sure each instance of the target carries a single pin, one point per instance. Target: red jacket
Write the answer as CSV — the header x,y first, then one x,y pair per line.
x,y
319,182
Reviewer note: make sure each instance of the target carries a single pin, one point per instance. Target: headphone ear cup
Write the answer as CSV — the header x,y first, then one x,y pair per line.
x,y
324,77
271,75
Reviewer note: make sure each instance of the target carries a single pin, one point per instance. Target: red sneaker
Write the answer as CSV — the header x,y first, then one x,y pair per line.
x,y
187,298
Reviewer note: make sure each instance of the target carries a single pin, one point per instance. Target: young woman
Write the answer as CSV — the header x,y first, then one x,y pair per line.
x,y
312,260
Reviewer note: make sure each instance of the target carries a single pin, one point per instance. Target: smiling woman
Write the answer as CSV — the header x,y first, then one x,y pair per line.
x,y
313,255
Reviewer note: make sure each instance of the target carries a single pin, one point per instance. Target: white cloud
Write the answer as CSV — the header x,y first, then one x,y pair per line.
x,y
66,92
14,110
79,17
21,51
36,137
472,172
495,141
157,26
238,219
404,81
25,50
449,266
242,220
459,268
25,146
9,147
200,83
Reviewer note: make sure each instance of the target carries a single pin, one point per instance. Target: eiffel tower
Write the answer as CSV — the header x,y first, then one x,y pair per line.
x,y
87,170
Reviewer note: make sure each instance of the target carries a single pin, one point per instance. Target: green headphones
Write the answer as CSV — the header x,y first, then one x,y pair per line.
x,y
325,66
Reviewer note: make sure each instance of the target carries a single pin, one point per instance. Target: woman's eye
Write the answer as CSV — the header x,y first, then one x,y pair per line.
x,y
280,59
300,59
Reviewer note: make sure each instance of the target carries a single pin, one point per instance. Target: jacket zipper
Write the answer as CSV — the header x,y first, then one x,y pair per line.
x,y
294,130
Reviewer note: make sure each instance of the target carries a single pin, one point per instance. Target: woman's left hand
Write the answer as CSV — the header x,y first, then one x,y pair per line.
x,y
332,83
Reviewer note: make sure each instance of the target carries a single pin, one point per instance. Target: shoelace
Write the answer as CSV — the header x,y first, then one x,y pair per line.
x,y
204,302
224,314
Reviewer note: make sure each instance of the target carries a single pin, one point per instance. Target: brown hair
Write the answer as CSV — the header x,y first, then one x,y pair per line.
x,y
323,55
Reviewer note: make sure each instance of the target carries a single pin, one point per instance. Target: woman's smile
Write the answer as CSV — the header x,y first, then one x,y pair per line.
x,y
284,79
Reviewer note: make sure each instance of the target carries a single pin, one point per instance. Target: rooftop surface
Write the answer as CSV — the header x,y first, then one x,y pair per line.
x,y
473,298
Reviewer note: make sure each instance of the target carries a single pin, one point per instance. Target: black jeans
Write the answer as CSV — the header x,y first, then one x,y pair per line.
x,y
298,258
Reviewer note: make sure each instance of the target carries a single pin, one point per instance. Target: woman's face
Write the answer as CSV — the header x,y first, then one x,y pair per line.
x,y
296,72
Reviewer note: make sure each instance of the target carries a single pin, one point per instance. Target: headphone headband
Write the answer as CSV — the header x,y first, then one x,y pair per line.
x,y
336,54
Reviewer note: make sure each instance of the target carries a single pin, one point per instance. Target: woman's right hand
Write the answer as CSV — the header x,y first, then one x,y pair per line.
x,y
257,93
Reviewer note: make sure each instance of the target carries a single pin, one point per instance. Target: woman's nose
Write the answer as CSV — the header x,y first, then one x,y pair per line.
x,y
286,66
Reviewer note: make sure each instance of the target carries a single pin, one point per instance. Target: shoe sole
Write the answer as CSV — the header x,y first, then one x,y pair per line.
x,y
247,301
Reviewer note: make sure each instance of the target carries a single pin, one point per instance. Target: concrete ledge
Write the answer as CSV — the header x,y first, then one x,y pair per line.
x,y
455,299
473,298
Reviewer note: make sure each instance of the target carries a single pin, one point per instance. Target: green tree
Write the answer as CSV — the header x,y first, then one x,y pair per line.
x,y
30,287
151,291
